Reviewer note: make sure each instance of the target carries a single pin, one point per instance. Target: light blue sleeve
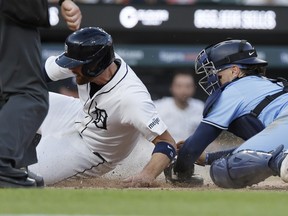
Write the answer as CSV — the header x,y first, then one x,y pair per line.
x,y
225,109
242,96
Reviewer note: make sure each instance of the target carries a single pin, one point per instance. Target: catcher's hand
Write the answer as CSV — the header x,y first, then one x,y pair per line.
x,y
187,179
179,145
201,161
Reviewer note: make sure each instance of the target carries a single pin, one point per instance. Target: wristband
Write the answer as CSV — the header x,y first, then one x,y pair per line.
x,y
165,148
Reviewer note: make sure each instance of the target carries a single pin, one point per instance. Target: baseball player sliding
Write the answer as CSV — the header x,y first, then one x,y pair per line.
x,y
89,136
246,103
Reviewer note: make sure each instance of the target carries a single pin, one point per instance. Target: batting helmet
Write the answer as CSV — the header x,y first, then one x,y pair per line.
x,y
220,56
90,47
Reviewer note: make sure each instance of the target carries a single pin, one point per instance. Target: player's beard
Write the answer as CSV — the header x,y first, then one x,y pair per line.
x,y
80,80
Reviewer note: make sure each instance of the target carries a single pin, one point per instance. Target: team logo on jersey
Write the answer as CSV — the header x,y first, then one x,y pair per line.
x,y
100,117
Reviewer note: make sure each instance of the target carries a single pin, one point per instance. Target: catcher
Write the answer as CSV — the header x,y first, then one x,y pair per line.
x,y
248,104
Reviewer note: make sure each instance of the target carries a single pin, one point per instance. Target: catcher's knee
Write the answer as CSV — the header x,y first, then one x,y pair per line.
x,y
241,169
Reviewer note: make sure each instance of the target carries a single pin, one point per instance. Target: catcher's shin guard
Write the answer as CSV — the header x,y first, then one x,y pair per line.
x,y
245,168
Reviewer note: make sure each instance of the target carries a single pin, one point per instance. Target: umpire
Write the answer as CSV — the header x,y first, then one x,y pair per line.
x,y
23,92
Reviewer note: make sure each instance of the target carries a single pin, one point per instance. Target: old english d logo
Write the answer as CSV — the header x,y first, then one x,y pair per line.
x,y
100,118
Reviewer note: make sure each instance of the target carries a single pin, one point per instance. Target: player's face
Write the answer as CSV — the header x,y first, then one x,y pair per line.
x,y
182,87
229,74
80,78
225,76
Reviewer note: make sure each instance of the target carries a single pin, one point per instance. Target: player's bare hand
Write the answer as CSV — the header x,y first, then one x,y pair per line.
x,y
72,14
139,181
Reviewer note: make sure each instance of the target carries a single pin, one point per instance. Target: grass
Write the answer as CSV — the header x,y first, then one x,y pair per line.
x,y
142,202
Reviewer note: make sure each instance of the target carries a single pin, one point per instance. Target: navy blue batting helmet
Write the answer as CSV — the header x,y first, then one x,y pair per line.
x,y
90,47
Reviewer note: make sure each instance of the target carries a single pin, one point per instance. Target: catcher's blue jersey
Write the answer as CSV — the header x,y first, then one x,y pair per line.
x,y
242,96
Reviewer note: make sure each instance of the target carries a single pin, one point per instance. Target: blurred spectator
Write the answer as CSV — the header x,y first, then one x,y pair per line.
x,y
181,112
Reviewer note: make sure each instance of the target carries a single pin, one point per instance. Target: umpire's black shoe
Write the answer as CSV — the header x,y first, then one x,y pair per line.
x,y
15,178
38,179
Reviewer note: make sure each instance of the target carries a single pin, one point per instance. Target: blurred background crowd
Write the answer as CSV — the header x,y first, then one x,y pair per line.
x,y
243,2
158,76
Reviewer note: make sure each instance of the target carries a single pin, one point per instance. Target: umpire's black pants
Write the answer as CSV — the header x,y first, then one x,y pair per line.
x,y
23,93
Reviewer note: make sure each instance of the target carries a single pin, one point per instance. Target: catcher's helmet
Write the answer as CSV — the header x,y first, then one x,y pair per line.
x,y
90,47
220,56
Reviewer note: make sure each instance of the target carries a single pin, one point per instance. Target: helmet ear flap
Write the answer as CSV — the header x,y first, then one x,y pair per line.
x,y
99,63
86,70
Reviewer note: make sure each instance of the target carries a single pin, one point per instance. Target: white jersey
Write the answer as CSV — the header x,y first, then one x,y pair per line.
x,y
181,123
109,123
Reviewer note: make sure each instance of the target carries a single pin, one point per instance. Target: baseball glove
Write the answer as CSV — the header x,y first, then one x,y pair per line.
x,y
187,179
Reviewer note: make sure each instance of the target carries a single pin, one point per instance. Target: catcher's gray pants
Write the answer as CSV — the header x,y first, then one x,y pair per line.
x,y
271,137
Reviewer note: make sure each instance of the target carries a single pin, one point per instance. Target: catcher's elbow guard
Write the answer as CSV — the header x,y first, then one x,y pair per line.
x,y
165,148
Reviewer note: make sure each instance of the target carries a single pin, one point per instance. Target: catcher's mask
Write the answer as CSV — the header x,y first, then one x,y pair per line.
x,y
90,47
220,56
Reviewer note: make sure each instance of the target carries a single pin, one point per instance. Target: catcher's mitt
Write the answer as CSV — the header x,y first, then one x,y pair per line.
x,y
187,179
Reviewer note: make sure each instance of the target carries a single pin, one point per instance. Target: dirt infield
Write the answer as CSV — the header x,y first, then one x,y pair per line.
x,y
272,183
141,155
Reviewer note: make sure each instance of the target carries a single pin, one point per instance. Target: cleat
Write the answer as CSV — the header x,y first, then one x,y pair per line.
x,y
6,182
15,178
38,179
